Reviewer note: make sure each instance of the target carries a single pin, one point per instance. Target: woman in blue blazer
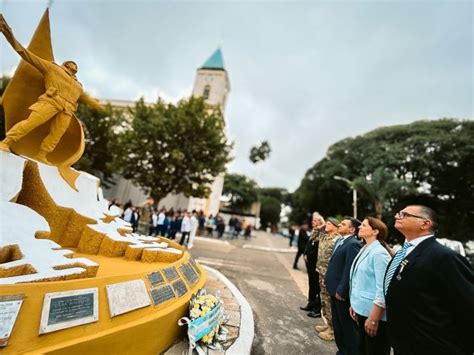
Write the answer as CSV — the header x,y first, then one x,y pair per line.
x,y
366,288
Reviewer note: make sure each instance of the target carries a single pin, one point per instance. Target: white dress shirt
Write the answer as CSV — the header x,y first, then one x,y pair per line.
x,y
127,215
186,224
340,241
414,243
161,219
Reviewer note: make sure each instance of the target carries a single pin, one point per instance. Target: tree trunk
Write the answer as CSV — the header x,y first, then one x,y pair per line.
x,y
378,209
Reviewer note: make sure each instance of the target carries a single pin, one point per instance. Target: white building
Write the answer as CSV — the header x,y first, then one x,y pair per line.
x,y
211,82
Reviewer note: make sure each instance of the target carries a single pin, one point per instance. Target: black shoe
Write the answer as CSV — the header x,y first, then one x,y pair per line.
x,y
306,308
295,267
314,314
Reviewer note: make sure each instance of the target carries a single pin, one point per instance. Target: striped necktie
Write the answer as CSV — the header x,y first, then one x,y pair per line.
x,y
397,260
338,244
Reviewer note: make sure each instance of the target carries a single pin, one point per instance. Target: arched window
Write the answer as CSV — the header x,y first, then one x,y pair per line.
x,y
207,91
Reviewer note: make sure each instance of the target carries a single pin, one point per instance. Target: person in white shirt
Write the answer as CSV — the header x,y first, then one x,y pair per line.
x,y
128,212
194,227
154,222
186,227
160,223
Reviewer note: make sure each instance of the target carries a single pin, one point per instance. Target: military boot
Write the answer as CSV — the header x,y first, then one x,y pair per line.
x,y
5,145
327,335
321,328
41,156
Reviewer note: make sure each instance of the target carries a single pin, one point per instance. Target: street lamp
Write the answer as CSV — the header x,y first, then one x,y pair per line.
x,y
354,192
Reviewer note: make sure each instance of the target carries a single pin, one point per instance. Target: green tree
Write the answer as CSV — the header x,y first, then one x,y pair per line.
x,y
278,193
435,157
241,191
174,148
260,152
270,209
271,201
4,80
101,152
379,187
319,192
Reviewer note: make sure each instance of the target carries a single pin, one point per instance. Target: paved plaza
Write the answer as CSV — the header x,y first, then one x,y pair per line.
x,y
274,290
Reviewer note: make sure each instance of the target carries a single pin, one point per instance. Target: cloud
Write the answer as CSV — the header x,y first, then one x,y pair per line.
x,y
152,95
303,74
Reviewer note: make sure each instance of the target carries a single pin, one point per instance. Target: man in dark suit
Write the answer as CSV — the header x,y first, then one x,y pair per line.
x,y
429,291
337,284
303,238
311,258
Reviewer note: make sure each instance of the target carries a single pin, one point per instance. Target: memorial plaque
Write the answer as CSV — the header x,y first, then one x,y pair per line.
x,y
162,294
189,273
68,309
127,296
171,273
193,263
155,278
179,287
9,309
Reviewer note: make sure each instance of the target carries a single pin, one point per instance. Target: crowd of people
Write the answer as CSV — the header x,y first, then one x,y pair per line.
x,y
418,299
181,225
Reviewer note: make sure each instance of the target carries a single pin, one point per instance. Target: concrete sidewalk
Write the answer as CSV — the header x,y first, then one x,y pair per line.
x,y
279,246
274,290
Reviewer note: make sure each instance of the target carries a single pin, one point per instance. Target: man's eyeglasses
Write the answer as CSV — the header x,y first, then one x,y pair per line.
x,y
402,215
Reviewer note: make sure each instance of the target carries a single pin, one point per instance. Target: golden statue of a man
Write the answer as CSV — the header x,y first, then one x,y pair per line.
x,y
58,103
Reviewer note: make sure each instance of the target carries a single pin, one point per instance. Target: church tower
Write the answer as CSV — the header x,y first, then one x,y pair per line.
x,y
212,81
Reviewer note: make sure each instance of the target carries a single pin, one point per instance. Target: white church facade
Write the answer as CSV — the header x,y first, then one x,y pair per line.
x,y
212,83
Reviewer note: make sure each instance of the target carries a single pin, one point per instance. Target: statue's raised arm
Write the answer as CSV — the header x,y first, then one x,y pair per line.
x,y
39,63
53,110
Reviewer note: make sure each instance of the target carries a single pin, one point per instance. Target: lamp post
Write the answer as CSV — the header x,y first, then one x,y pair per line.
x,y
354,192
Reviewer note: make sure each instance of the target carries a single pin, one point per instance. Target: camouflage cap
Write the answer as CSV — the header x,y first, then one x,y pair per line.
x,y
333,221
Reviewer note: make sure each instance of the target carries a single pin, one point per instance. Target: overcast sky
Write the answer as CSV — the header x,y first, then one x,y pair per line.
x,y
304,74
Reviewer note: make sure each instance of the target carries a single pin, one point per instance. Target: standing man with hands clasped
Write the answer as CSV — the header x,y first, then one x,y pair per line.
x,y
337,284
303,237
429,291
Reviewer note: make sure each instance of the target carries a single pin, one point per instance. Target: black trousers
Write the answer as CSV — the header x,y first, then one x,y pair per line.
x,y
345,329
378,345
172,234
184,236
314,301
298,254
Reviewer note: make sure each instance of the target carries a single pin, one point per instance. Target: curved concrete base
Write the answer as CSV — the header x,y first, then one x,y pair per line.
x,y
243,344
147,330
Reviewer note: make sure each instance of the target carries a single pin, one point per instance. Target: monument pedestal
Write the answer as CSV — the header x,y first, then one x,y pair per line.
x,y
148,330
87,284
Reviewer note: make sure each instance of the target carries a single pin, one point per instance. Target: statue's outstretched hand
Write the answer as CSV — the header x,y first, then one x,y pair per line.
x,y
3,23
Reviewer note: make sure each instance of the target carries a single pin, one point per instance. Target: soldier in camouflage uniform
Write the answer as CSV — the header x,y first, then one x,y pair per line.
x,y
145,223
326,247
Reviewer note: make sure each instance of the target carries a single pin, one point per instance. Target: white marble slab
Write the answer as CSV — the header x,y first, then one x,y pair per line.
x,y
127,296
9,309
